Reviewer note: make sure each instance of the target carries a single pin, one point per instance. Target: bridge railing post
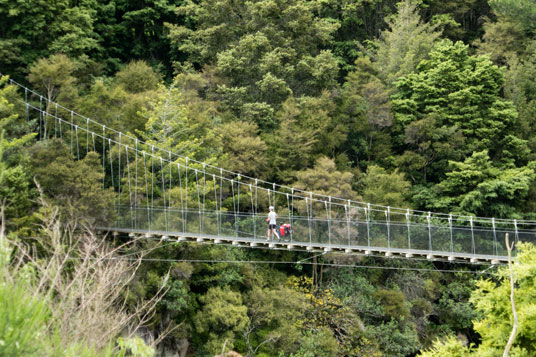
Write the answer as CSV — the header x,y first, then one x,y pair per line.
x,y
203,214
388,225
328,214
291,213
367,217
409,228
87,135
118,177
186,195
495,248
135,186
234,209
164,194
428,219
170,163
451,235
221,202
310,216
288,208
473,247
40,116
103,150
348,212
516,238
26,104
254,207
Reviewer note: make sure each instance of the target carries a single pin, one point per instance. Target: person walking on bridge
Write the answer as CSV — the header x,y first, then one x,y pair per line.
x,y
272,224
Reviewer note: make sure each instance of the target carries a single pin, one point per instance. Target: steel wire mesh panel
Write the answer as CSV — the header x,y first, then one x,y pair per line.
x,y
440,238
339,232
484,240
358,226
210,223
175,220
246,223
419,238
300,229
158,219
360,234
378,234
260,228
227,224
527,236
319,231
462,240
399,235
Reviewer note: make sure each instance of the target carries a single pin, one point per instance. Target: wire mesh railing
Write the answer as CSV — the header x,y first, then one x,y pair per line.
x,y
162,191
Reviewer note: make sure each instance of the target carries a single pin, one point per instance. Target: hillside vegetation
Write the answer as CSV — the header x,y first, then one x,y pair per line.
x,y
423,104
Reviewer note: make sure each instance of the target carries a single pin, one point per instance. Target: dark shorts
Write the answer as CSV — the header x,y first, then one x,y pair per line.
x,y
272,226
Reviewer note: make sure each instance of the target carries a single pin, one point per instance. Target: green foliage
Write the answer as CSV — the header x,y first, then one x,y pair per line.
x,y
522,12
460,19
366,109
307,130
393,303
74,185
244,149
319,343
284,91
170,126
407,42
138,77
395,339
52,75
275,318
454,308
23,318
135,347
449,347
324,178
449,92
485,189
15,192
502,41
381,187
264,50
222,318
492,299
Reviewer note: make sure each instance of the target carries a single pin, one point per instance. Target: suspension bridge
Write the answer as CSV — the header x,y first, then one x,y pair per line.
x,y
161,194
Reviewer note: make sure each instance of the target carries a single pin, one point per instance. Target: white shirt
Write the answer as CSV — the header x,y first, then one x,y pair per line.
x,y
272,216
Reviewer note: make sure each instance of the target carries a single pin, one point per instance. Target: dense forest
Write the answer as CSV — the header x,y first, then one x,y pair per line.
x,y
421,104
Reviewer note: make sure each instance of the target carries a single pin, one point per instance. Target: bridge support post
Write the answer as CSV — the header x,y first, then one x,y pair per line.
x,y
135,186
367,217
309,216
291,213
473,248
495,248
451,238
254,207
328,213
516,238
348,211
388,224
428,218
409,228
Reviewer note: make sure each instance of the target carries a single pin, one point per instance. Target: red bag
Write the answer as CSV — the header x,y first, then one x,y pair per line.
x,y
284,229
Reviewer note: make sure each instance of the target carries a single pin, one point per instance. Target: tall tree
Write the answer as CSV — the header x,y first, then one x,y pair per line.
x,y
264,50
406,42
455,90
522,12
